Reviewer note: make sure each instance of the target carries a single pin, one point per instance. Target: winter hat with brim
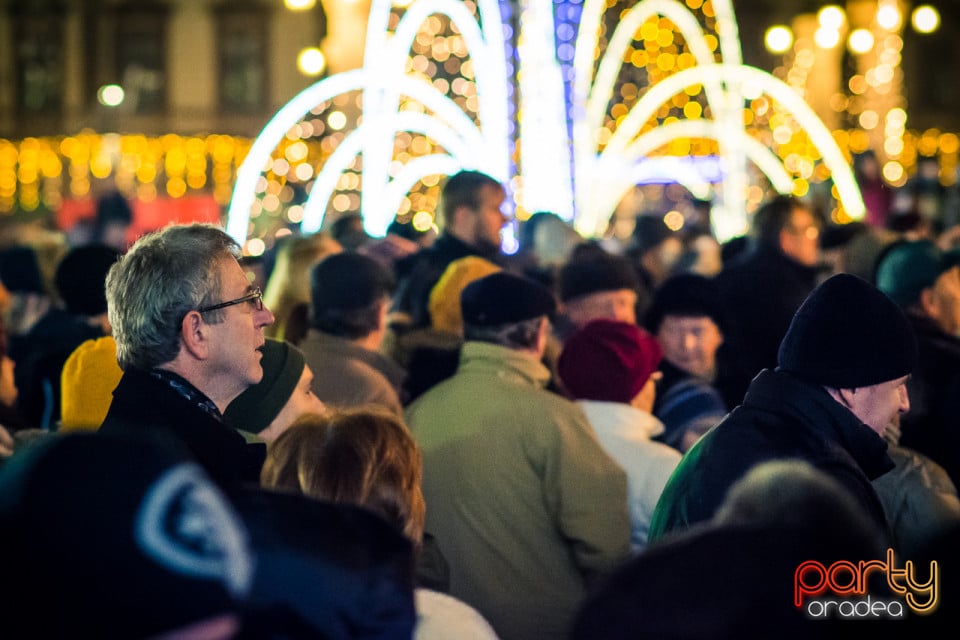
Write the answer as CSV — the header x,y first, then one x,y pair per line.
x,y
259,404
504,298
608,361
848,334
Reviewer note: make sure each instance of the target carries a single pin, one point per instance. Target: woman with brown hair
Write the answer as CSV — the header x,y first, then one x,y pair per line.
x,y
369,458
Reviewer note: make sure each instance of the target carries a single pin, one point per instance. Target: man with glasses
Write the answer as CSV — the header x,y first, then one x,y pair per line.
x,y
764,287
189,328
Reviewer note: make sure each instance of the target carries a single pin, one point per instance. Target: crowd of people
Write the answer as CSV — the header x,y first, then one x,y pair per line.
x,y
419,436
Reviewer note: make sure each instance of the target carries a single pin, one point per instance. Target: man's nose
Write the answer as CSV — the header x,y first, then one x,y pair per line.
x,y
904,400
266,316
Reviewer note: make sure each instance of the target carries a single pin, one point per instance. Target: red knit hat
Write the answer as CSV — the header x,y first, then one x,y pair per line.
x,y
608,360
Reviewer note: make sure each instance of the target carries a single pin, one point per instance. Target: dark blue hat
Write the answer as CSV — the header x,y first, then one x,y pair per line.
x,y
504,298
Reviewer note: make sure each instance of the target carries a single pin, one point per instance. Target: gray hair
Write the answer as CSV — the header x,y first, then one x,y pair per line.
x,y
516,335
162,277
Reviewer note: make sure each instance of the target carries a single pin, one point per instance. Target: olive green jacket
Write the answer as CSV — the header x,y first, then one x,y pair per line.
x,y
524,503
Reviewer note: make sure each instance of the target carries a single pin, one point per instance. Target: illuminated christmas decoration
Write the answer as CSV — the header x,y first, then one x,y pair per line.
x,y
607,161
586,100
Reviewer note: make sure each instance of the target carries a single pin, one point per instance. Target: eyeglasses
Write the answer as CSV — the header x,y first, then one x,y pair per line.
x,y
255,297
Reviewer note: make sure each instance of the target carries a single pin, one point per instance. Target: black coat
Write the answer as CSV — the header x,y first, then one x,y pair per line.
x,y
932,426
781,417
40,356
145,407
418,273
761,291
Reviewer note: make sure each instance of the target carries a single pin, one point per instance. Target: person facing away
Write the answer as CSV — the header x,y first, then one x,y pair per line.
x,y
610,368
79,314
688,320
287,291
431,354
841,380
732,577
367,457
266,409
349,301
526,505
87,381
764,286
925,282
471,206
188,326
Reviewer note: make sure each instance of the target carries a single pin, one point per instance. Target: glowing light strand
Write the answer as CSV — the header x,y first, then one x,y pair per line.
x,y
598,178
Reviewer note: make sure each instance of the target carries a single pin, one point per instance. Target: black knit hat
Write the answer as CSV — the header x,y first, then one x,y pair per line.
x,y
504,298
848,334
348,281
258,405
686,295
81,276
595,273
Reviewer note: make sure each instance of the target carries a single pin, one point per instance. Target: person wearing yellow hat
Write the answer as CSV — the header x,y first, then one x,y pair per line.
x,y
87,381
445,312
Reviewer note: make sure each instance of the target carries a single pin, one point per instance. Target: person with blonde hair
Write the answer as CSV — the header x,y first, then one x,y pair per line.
x,y
368,457
287,291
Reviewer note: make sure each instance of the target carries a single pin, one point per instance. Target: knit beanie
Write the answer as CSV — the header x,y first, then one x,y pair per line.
x,y
127,535
687,295
81,276
594,273
444,303
608,360
904,269
87,381
847,334
258,405
504,298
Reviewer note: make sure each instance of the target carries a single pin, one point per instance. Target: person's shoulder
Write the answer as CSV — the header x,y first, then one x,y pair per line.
x,y
442,616
406,265
661,452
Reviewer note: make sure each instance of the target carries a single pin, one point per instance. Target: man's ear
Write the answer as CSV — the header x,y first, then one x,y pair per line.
x,y
928,302
843,396
846,397
194,335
